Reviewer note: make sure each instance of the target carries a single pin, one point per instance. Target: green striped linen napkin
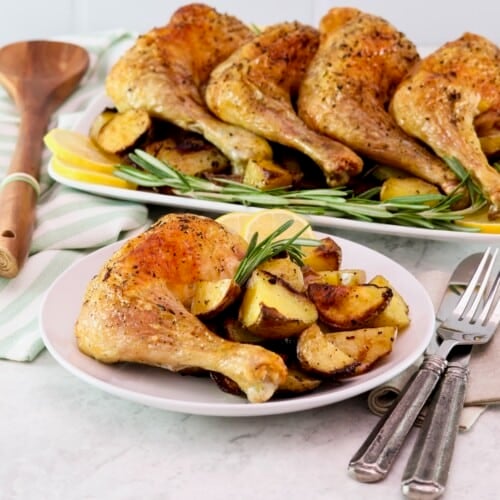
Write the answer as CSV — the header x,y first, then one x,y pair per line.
x,y
69,223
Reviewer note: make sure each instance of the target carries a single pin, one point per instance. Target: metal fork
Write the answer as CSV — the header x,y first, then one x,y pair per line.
x,y
427,469
376,455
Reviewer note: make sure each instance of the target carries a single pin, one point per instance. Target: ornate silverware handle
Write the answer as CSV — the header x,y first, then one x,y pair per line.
x,y
426,473
376,455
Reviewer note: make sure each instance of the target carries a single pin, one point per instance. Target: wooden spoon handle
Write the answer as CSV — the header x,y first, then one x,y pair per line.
x,y
18,198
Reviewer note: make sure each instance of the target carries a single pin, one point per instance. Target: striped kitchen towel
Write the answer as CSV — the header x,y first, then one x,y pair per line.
x,y
69,223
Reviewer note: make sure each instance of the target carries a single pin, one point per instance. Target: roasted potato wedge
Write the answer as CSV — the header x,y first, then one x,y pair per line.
x,y
212,297
188,153
272,309
122,131
395,187
396,313
225,384
264,174
490,144
366,345
298,381
236,332
325,257
347,277
348,307
287,270
100,121
318,355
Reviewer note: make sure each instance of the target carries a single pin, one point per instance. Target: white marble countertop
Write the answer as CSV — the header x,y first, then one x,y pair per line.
x,y
64,439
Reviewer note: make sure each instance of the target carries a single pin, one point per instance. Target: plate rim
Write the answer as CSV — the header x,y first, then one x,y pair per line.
x,y
239,407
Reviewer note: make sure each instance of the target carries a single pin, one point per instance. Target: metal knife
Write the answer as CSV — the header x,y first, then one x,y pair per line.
x,y
376,455
427,469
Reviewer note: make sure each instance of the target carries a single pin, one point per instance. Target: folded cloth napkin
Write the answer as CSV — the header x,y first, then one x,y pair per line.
x,y
483,386
69,223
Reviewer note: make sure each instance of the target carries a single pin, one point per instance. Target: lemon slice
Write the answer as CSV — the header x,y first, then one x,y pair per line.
x,y
86,175
236,222
78,150
480,221
267,221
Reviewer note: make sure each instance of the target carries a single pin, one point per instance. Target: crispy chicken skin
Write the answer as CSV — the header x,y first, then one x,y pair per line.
x,y
166,70
442,96
256,86
136,308
348,86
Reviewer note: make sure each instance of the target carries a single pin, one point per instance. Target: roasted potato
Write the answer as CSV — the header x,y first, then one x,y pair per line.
x,y
325,257
212,297
188,153
236,332
318,355
366,345
298,381
119,133
100,121
396,313
395,187
264,174
272,309
490,144
287,270
348,307
347,277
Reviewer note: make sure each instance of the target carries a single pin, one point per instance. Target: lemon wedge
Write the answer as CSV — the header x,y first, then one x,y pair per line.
x,y
81,174
78,150
235,222
480,221
267,221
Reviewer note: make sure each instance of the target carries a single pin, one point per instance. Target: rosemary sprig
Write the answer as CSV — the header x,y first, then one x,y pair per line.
x,y
414,211
270,247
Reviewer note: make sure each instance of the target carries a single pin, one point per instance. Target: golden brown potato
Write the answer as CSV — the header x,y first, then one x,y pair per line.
x,y
236,332
265,175
298,381
212,297
490,144
347,277
318,355
225,384
348,307
406,186
188,153
287,270
99,121
397,312
272,309
325,257
366,345
120,133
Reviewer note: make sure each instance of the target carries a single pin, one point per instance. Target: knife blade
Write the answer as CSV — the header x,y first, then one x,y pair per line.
x,y
375,457
426,472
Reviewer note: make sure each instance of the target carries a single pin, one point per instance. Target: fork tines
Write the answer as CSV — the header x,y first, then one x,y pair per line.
x,y
479,292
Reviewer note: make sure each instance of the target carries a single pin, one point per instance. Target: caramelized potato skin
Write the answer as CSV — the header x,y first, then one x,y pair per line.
x,y
348,307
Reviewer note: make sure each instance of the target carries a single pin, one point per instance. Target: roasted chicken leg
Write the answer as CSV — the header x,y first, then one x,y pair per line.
x,y
165,72
256,88
347,88
136,308
442,96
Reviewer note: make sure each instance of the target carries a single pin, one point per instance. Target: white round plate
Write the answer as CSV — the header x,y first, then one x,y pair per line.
x,y
188,394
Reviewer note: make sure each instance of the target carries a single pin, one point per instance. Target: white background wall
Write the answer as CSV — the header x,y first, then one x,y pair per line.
x,y
426,22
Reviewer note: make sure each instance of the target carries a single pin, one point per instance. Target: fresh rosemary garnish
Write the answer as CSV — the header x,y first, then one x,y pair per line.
x,y
414,211
269,247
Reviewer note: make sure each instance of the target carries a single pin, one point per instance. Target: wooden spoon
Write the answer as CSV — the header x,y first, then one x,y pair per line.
x,y
39,75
